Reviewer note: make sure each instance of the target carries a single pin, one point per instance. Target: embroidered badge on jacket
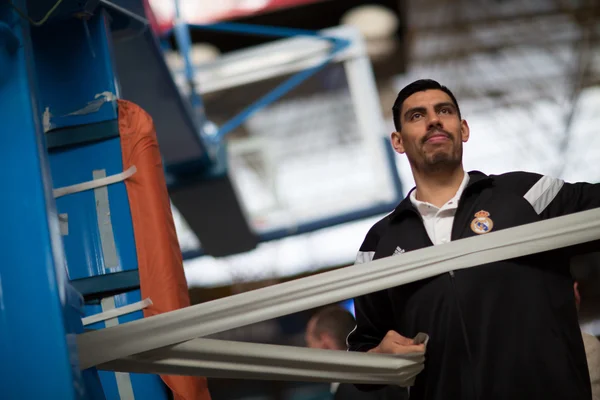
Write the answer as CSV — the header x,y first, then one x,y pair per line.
x,y
482,223
398,250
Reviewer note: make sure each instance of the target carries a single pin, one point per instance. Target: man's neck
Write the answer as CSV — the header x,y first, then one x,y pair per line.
x,y
438,188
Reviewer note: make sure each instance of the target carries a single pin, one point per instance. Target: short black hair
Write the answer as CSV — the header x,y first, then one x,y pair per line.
x,y
336,321
418,86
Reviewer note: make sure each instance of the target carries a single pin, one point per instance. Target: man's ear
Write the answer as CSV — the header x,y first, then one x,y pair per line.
x,y
328,341
465,132
397,143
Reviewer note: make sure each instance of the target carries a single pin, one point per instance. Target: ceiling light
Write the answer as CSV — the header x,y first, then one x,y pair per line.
x,y
373,21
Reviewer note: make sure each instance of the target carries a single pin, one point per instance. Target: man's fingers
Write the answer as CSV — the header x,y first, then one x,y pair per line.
x,y
398,349
415,348
404,341
395,343
399,339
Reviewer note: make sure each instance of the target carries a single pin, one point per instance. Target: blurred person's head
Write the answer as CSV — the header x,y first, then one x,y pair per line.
x,y
328,328
429,127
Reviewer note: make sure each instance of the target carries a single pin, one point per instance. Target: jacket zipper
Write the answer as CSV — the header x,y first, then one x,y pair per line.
x,y
455,290
460,311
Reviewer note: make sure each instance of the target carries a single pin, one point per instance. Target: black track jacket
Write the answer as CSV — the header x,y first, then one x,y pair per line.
x,y
505,330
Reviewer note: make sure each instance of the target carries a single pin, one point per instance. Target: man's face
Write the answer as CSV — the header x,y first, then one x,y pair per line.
x,y
432,133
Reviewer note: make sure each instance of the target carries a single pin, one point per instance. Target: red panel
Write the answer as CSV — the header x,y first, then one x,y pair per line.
x,y
199,12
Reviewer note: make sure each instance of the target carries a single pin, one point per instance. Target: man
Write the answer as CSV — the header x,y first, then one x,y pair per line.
x,y
328,330
592,351
505,330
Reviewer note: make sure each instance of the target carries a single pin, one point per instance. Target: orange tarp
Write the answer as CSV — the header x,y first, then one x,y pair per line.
x,y
159,256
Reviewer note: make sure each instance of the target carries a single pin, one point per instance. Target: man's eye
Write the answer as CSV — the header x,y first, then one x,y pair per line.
x,y
415,116
446,111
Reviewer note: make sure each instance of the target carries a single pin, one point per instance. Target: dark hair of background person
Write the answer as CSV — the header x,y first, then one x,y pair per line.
x,y
335,321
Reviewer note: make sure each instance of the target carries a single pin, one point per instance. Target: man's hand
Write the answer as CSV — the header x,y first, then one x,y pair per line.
x,y
394,343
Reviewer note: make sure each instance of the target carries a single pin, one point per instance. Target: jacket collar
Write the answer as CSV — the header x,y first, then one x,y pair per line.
x,y
475,178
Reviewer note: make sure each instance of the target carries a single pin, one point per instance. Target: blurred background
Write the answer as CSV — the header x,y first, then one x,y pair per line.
x,y
273,119
313,170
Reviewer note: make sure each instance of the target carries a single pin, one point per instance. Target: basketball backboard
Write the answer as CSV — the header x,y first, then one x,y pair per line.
x,y
319,155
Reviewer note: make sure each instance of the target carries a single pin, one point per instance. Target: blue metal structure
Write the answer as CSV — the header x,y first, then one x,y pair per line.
x,y
39,310
74,57
97,231
89,257
63,64
73,256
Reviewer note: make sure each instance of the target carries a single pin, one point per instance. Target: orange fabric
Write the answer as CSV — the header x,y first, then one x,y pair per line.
x,y
159,256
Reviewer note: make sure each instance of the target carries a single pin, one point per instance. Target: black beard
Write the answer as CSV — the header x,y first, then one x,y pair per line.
x,y
442,161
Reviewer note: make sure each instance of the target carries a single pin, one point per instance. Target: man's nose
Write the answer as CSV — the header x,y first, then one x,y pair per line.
x,y
433,120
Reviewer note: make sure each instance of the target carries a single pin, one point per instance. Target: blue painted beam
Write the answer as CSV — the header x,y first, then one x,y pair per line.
x,y
64,101
79,88
39,313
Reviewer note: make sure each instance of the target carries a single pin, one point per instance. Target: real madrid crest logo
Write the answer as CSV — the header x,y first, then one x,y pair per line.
x,y
482,223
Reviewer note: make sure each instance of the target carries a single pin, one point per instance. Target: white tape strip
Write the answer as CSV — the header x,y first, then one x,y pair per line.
x,y
226,359
178,326
107,236
63,222
116,312
96,183
124,386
